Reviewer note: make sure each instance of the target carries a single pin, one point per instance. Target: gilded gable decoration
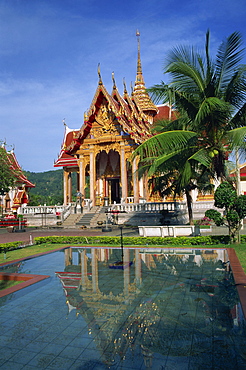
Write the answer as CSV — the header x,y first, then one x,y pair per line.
x,y
105,118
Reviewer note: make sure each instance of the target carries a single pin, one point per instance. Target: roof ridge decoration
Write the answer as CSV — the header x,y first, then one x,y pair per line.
x,y
99,74
139,91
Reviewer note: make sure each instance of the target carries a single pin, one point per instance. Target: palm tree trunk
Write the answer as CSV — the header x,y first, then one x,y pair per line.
x,y
189,206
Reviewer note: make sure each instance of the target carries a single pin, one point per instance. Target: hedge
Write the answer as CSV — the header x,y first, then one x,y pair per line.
x,y
4,247
127,240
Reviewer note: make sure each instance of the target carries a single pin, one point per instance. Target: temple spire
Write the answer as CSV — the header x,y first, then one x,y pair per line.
x,y
139,83
139,91
139,65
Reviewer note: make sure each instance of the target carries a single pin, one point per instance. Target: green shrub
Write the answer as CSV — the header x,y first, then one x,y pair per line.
x,y
116,240
10,246
127,240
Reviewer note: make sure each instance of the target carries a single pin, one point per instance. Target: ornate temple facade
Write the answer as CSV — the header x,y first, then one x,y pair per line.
x,y
18,195
100,150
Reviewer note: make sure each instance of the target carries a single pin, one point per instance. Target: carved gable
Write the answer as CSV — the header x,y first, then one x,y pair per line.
x,y
105,122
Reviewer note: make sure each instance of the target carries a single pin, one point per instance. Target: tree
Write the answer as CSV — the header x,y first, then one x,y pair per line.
x,y
209,97
235,210
7,177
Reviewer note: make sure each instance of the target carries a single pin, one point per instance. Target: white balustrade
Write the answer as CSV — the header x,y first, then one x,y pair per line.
x,y
31,210
148,207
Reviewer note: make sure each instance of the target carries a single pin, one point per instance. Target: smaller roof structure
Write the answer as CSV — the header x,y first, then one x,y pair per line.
x,y
15,168
64,159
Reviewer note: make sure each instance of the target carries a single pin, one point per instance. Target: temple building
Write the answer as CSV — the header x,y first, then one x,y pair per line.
x,y
18,195
99,151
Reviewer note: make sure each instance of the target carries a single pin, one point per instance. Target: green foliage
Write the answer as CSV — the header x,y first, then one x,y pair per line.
x,y
138,241
48,187
234,209
215,215
127,241
10,246
225,196
240,206
7,178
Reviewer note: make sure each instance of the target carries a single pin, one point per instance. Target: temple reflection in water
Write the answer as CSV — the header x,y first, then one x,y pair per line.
x,y
157,307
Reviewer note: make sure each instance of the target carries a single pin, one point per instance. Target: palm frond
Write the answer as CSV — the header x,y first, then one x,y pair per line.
x,y
235,92
239,118
186,77
236,138
228,56
201,156
211,105
167,142
161,93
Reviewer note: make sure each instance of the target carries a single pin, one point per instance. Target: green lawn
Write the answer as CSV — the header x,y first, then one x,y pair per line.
x,y
35,249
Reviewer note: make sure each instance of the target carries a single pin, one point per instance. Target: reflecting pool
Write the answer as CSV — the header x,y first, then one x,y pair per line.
x,y
170,309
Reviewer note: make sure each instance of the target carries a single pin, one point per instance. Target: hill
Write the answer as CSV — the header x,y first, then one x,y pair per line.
x,y
49,187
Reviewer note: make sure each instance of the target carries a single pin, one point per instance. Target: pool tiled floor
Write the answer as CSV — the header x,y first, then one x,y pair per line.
x,y
161,313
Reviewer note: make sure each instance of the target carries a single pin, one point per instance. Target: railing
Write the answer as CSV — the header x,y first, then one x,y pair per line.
x,y
203,205
31,210
62,211
148,207
131,200
65,213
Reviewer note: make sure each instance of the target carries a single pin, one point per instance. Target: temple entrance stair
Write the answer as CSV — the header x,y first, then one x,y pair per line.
x,y
71,220
91,218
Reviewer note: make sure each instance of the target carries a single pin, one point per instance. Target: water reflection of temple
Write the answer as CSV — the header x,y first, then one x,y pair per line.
x,y
124,309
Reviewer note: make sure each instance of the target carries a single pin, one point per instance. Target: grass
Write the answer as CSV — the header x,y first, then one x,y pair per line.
x,y
41,248
28,251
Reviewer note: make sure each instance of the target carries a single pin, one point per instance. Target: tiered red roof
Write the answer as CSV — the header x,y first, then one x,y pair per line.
x,y
17,171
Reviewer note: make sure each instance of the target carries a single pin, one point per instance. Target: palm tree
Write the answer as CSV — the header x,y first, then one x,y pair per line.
x,y
209,97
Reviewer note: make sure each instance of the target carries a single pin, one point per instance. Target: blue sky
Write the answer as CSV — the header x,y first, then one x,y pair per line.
x,y
50,50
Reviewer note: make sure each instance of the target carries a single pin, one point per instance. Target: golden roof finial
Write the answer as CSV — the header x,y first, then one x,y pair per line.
x,y
113,79
124,84
99,74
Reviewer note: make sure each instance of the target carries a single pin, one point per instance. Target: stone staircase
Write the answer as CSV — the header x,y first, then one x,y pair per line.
x,y
71,220
91,218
